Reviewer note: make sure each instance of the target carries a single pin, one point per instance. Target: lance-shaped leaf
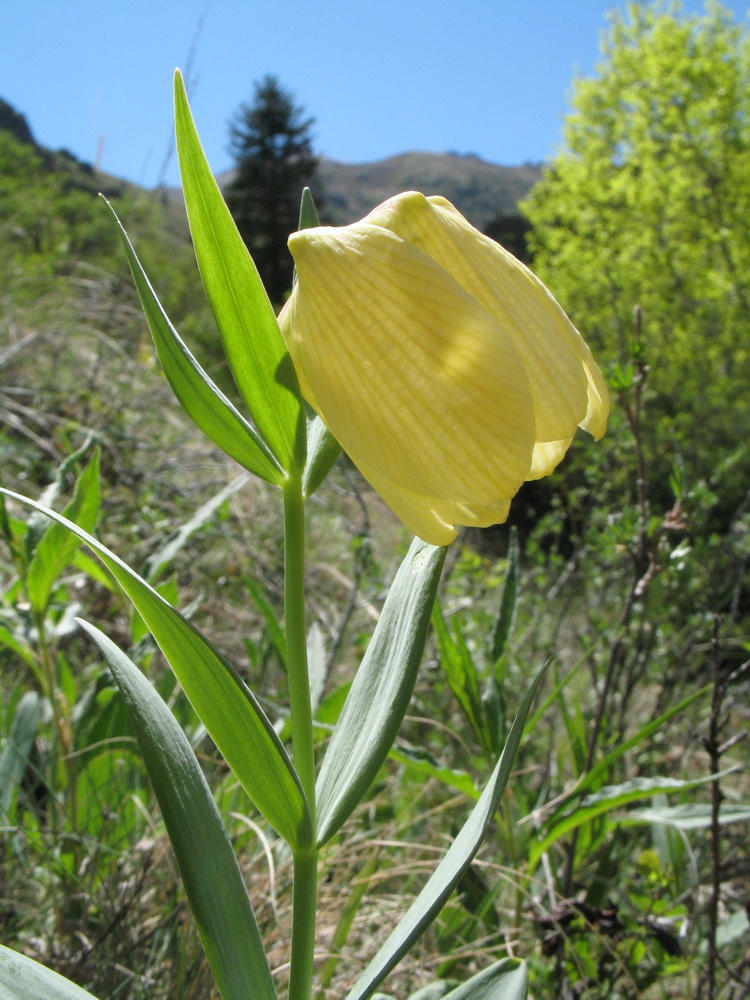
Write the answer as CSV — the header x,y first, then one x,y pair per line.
x,y
379,696
56,547
457,859
226,706
14,758
22,978
505,980
213,881
322,451
202,400
256,352
613,797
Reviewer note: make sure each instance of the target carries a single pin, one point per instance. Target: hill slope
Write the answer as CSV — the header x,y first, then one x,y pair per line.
x,y
480,190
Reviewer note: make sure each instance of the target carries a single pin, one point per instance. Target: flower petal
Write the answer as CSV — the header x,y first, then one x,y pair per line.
x,y
566,385
418,382
432,519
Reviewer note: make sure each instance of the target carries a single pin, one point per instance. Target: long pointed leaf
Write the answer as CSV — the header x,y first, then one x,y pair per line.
x,y
380,694
226,706
57,546
199,839
199,396
612,797
505,980
443,880
255,349
22,978
14,758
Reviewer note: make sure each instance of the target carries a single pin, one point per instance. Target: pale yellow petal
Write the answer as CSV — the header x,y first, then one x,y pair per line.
x,y
416,380
558,363
546,456
595,421
432,519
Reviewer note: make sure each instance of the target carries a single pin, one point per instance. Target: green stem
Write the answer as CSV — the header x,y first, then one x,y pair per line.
x,y
305,864
296,645
303,925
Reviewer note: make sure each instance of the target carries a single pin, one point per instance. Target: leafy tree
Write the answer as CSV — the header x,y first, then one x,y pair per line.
x,y
270,141
648,204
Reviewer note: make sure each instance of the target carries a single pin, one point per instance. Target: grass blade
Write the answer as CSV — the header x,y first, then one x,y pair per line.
x,y
199,839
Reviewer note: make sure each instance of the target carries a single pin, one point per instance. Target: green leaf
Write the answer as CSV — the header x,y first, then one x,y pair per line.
x,y
598,773
199,396
461,674
612,797
690,816
57,546
433,896
22,978
226,706
255,349
381,690
308,213
322,451
505,980
199,839
419,760
14,758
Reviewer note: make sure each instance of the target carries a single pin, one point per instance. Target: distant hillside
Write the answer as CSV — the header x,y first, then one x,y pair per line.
x,y
480,190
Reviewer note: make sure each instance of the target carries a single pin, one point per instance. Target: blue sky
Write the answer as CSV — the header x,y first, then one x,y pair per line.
x,y
490,77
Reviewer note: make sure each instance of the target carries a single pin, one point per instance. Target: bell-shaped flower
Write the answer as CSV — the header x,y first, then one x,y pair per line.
x,y
443,366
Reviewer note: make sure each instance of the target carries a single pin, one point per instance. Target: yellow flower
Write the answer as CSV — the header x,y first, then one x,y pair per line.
x,y
444,367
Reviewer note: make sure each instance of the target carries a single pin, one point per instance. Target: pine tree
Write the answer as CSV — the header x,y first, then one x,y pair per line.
x,y
272,147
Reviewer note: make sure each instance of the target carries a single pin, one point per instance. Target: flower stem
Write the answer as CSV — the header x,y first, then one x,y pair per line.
x,y
296,646
305,863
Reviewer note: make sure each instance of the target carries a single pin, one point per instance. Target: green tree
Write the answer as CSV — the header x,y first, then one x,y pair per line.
x,y
648,204
271,144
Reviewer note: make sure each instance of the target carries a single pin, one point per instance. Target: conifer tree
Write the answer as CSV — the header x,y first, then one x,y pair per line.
x,y
272,147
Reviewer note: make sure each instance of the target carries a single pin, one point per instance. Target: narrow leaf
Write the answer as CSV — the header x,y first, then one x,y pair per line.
x,y
14,758
322,451
419,760
505,980
433,896
461,674
690,816
199,396
380,693
226,706
308,213
22,978
255,349
613,797
594,777
57,546
199,839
